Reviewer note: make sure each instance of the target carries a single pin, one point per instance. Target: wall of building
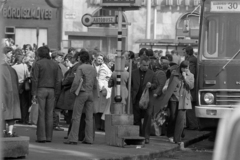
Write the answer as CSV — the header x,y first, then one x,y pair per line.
x,y
167,16
37,19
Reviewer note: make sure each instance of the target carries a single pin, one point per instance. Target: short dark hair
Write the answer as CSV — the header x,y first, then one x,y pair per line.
x,y
43,52
27,45
164,57
189,50
18,59
7,49
144,58
184,64
149,53
169,57
18,51
84,57
142,51
131,55
71,49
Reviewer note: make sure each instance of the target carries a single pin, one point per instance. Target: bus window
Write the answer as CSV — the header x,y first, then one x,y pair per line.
x,y
222,36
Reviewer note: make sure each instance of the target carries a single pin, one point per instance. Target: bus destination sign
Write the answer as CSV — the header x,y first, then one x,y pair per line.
x,y
225,6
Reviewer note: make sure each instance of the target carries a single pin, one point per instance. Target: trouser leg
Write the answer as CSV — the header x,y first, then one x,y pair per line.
x,y
179,125
77,113
147,121
173,107
137,116
89,120
49,114
41,97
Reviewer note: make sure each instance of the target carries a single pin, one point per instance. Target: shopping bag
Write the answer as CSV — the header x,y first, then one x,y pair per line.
x,y
158,122
161,117
33,113
143,103
155,129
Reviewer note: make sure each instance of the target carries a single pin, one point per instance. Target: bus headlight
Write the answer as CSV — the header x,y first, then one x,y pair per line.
x,y
208,98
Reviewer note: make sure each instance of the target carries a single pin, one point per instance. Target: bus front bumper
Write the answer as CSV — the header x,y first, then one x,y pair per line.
x,y
211,112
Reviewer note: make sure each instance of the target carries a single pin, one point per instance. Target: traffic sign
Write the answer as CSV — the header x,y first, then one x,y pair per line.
x,y
87,20
121,3
104,20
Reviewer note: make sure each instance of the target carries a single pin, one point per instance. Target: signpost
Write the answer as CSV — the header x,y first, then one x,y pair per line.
x,y
119,127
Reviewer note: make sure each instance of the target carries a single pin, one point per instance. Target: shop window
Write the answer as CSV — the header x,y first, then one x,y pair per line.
x,y
30,36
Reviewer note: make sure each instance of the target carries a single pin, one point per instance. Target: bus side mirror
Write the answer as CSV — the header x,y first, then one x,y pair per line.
x,y
186,25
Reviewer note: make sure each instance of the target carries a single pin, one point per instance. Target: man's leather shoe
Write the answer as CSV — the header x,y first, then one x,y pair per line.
x,y
42,141
65,137
48,141
146,141
71,143
84,142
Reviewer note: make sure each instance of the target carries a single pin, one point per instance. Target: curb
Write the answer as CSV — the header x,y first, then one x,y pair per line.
x,y
197,139
154,155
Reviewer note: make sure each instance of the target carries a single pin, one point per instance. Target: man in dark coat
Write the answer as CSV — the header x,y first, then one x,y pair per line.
x,y
9,98
46,84
192,123
142,78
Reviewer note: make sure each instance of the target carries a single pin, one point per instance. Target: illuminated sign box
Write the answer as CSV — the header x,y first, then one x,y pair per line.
x,y
121,3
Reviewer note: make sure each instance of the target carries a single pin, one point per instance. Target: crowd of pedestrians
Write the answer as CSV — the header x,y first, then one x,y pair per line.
x,y
81,85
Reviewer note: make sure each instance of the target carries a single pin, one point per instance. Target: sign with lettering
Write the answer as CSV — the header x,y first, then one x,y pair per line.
x,y
99,20
225,6
27,13
121,3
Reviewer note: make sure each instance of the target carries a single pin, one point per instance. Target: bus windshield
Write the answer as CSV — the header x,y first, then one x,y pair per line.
x,y
220,29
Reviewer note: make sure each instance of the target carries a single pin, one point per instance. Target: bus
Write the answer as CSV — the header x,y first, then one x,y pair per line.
x,y
218,76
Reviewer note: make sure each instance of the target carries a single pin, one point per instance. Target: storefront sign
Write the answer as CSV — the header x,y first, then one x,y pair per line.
x,y
27,13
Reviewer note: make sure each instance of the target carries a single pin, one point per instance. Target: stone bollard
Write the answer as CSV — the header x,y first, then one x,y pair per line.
x,y
15,147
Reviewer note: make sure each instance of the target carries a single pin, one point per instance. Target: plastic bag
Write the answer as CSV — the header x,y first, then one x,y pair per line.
x,y
143,103
33,115
161,117
158,122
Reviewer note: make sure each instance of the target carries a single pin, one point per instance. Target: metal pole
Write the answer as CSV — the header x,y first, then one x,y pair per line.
x,y
148,30
129,86
155,23
118,97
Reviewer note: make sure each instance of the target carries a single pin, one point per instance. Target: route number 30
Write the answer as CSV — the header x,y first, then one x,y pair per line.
x,y
232,5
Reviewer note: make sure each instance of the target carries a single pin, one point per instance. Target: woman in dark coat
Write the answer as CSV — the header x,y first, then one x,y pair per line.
x,y
179,97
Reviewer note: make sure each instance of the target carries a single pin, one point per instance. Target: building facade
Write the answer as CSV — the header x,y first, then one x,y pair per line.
x,y
35,22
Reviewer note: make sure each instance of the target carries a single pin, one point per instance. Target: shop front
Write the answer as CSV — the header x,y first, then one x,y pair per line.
x,y
32,22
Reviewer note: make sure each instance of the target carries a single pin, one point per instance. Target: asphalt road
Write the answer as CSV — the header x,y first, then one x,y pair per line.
x,y
202,150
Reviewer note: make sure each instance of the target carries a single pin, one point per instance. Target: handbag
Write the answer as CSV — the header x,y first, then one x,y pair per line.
x,y
33,113
143,103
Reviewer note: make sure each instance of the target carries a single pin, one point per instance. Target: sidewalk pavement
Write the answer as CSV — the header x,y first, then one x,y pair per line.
x,y
100,150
